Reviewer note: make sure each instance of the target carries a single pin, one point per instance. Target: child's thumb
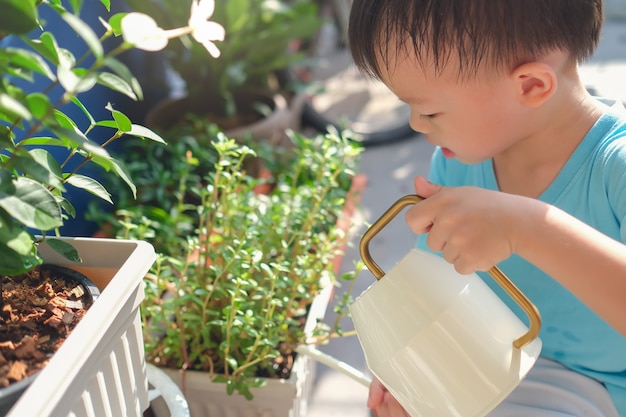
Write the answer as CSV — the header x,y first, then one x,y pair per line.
x,y
425,188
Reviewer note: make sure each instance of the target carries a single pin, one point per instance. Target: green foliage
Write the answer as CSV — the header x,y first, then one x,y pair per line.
x,y
257,43
33,184
237,268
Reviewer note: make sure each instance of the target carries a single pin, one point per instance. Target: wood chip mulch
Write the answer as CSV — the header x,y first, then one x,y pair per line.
x,y
38,311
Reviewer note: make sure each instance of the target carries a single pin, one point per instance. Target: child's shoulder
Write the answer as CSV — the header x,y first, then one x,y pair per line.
x,y
614,117
609,133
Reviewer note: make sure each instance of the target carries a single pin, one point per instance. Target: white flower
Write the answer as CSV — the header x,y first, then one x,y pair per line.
x,y
204,31
143,32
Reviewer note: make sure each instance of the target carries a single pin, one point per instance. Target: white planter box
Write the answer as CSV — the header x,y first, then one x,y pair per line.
x,y
278,398
100,370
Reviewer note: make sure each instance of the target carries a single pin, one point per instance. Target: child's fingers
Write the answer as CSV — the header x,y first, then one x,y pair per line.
x,y
425,188
421,217
376,393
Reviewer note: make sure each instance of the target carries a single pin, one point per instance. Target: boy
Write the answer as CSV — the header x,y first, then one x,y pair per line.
x,y
529,173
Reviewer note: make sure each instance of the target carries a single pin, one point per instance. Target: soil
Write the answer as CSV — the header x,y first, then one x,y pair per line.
x,y
39,310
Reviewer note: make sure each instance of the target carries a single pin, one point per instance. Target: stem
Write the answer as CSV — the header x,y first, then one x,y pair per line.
x,y
269,312
88,158
229,326
247,365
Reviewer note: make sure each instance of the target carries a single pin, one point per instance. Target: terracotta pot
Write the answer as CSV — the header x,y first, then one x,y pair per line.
x,y
272,127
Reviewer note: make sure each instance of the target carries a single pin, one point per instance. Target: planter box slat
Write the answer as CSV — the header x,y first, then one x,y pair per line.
x,y
100,369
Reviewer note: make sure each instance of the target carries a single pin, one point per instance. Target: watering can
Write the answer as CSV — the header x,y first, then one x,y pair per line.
x,y
442,343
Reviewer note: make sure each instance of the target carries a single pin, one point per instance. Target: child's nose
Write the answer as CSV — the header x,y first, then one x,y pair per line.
x,y
419,123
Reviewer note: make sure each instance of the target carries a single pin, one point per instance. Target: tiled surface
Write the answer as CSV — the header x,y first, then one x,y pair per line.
x,y
390,170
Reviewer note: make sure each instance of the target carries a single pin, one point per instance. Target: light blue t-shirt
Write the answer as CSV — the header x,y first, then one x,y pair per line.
x,y
592,187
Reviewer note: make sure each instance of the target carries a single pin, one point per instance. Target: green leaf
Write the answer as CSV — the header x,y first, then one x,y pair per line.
x,y
122,172
18,16
41,166
116,83
67,59
90,185
76,5
6,137
85,32
13,107
49,48
246,392
108,163
20,244
57,5
230,387
145,133
84,109
30,60
107,4
106,25
116,23
68,207
125,74
122,122
39,105
73,82
65,249
220,379
45,140
19,252
76,139
32,205
94,149
107,123
6,182
64,120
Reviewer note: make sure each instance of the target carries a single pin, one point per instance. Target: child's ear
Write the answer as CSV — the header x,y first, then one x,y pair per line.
x,y
535,82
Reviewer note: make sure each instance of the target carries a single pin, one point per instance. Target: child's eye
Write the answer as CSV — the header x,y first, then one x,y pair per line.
x,y
429,116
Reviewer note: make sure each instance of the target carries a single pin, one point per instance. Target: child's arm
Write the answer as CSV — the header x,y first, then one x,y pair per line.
x,y
475,229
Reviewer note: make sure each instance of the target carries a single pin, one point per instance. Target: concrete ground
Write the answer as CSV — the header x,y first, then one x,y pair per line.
x,y
390,170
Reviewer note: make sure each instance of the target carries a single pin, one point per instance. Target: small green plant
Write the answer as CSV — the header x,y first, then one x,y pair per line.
x,y
237,269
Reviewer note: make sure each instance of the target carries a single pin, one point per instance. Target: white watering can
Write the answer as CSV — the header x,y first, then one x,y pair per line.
x,y
444,344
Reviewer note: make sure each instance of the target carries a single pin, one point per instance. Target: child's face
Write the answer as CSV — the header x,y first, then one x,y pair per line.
x,y
472,120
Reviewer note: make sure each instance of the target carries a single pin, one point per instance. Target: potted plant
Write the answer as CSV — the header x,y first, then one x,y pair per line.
x,y
35,201
242,277
241,91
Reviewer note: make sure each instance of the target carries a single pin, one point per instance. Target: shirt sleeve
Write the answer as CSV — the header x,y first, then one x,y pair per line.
x,y
614,178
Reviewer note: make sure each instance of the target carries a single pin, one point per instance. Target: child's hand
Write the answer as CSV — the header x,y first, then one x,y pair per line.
x,y
382,402
473,228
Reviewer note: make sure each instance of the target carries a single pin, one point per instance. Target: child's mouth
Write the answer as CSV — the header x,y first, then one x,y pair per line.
x,y
447,153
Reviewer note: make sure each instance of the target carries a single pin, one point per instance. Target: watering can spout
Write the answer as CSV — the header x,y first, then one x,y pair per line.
x,y
335,363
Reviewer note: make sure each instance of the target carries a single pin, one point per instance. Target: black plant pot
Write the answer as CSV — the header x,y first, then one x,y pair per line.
x,y
10,394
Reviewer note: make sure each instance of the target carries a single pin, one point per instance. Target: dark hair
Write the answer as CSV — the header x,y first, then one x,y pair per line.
x,y
502,33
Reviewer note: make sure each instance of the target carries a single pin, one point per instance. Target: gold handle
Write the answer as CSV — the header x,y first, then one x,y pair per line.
x,y
531,311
